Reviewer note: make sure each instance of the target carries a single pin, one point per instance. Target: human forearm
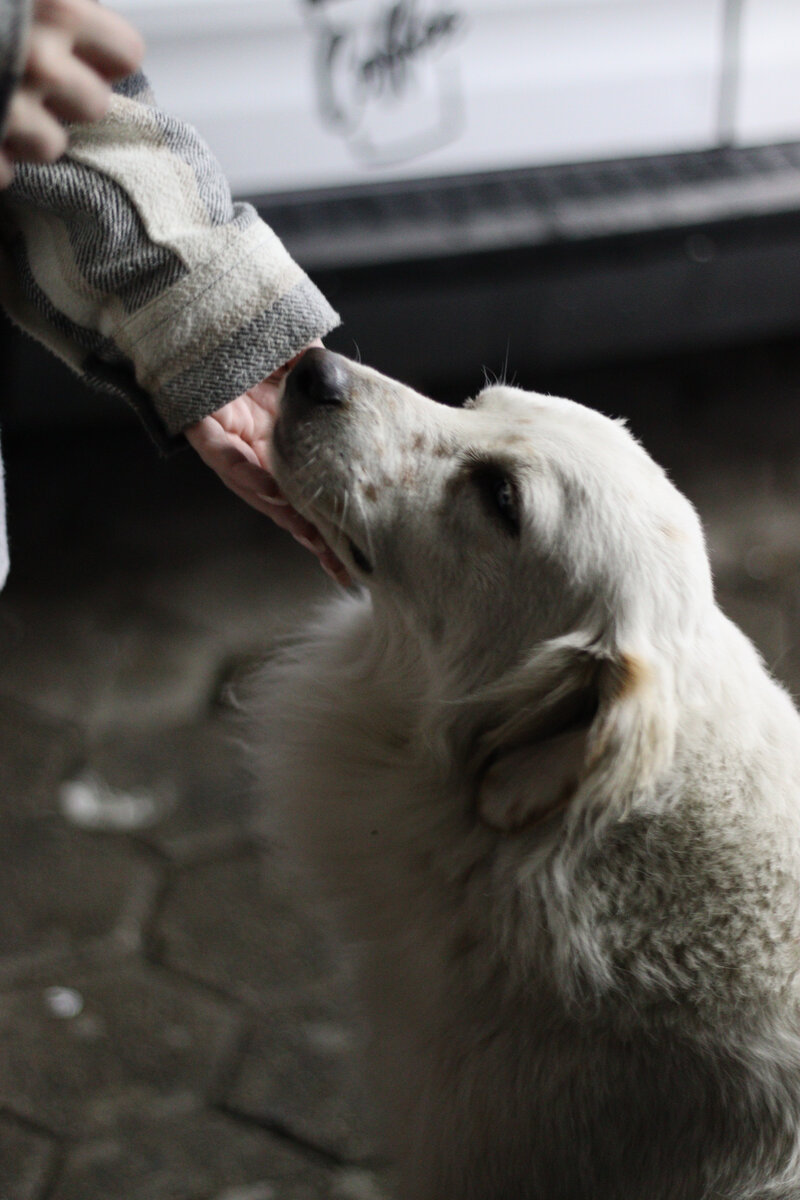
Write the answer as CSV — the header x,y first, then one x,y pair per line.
x,y
130,260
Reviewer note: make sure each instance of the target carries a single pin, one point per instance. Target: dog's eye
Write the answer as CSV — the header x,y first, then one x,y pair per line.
x,y
499,494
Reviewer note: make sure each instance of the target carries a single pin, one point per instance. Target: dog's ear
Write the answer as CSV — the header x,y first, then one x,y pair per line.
x,y
580,724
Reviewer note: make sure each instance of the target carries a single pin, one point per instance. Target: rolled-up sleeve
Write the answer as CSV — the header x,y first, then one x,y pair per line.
x,y
129,259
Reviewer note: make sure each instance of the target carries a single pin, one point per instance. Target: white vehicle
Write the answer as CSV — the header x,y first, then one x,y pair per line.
x,y
304,94
539,180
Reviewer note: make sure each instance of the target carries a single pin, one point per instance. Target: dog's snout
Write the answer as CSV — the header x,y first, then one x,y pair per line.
x,y
319,379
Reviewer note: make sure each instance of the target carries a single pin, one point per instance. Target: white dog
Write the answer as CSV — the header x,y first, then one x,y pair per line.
x,y
552,795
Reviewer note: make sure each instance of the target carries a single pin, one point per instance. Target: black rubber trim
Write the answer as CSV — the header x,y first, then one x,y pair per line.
x,y
376,224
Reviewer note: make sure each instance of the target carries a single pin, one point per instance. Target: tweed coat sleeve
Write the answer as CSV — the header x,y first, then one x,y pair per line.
x,y
129,259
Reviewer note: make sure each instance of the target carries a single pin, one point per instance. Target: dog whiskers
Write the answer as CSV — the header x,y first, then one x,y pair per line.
x,y
305,496
342,521
367,531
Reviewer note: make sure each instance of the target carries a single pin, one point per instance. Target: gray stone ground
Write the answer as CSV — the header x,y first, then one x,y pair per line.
x,y
172,1022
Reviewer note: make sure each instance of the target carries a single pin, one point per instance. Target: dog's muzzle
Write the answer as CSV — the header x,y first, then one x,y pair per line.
x,y
320,380
316,386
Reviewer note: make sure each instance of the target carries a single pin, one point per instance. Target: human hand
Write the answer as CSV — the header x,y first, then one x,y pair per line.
x,y
75,50
234,441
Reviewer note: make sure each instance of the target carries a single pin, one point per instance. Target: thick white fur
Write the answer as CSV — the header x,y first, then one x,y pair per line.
x,y
553,798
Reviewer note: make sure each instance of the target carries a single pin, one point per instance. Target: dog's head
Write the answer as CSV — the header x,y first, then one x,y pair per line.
x,y
552,574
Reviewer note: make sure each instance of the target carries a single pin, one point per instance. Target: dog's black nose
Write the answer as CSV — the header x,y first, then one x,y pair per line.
x,y
320,378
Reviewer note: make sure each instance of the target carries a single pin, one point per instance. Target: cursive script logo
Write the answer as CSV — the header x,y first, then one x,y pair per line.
x,y
386,78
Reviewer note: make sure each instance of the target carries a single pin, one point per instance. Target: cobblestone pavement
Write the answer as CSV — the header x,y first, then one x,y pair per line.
x,y
173,1025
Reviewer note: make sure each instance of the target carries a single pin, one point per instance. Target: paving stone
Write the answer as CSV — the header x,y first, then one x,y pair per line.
x,y
25,1160
762,618
355,1184
787,672
84,1052
62,892
301,1073
203,1156
788,669
167,674
101,663
240,926
752,523
193,791
248,594
54,657
34,756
